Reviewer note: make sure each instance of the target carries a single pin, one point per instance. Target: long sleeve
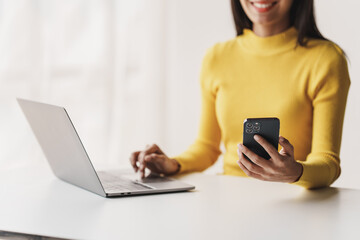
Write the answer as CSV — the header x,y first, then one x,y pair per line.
x,y
205,150
249,76
328,91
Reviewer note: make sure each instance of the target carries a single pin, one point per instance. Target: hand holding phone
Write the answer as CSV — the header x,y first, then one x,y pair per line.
x,y
282,167
268,128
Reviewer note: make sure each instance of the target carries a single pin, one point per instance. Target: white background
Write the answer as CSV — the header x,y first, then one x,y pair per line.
x,y
127,71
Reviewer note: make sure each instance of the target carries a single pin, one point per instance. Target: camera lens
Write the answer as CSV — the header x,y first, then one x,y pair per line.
x,y
249,125
249,130
256,128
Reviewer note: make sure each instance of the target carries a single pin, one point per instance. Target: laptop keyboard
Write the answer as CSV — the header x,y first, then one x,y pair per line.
x,y
113,183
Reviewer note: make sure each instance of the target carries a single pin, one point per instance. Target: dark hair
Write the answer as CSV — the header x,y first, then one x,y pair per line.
x,y
301,17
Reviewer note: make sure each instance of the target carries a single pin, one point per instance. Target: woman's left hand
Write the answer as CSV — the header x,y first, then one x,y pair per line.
x,y
281,167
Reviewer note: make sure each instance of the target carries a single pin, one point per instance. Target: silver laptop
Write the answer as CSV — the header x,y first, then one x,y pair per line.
x,y
69,161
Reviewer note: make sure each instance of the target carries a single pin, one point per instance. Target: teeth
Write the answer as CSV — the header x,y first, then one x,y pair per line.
x,y
262,5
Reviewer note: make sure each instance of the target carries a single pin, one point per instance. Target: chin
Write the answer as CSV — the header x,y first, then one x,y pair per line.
x,y
263,20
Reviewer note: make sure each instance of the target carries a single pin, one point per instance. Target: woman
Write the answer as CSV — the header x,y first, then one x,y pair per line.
x,y
280,66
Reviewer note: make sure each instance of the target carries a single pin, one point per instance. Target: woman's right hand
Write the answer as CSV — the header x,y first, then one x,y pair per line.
x,y
155,160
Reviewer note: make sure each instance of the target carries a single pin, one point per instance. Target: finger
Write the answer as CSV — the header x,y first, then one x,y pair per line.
x,y
153,148
254,157
155,162
140,161
249,173
287,146
134,159
267,146
249,165
282,151
142,169
152,167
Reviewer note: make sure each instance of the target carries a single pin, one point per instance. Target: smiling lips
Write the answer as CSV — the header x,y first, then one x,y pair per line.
x,y
263,6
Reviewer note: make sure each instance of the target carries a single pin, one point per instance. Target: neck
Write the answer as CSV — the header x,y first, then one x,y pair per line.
x,y
267,30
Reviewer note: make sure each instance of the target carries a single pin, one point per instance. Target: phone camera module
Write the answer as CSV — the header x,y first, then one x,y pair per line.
x,y
249,130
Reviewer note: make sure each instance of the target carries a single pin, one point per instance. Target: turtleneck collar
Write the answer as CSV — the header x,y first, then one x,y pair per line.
x,y
268,45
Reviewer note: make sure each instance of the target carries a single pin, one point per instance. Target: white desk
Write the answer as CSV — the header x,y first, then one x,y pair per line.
x,y
33,201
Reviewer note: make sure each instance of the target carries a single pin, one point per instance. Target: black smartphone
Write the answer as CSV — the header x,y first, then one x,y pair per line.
x,y
268,128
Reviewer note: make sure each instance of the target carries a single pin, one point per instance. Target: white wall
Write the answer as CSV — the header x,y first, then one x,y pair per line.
x,y
192,27
338,21
101,59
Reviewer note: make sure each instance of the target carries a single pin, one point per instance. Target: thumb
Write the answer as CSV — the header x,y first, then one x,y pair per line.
x,y
287,147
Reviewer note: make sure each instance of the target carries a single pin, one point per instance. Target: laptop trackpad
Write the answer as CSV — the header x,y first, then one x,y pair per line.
x,y
152,180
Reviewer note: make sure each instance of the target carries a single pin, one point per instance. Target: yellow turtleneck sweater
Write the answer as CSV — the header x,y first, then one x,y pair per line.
x,y
255,77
